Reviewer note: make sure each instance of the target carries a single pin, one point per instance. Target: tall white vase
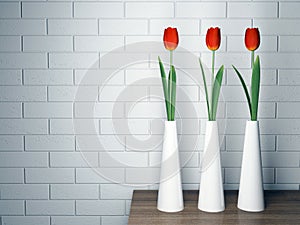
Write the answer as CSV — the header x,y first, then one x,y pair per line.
x,y
251,192
170,197
211,193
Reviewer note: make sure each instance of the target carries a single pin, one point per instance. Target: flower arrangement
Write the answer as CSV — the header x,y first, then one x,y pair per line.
x,y
213,41
252,42
170,198
169,86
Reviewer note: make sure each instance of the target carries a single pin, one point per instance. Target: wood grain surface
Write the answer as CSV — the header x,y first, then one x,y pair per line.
x,y
282,207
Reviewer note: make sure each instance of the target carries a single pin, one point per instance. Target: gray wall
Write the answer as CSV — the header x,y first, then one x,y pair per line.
x,y
52,137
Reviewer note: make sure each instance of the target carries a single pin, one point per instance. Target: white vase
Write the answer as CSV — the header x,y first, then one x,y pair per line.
x,y
170,197
211,193
251,191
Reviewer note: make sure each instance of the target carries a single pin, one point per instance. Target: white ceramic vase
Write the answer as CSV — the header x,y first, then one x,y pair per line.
x,y
170,197
211,193
251,191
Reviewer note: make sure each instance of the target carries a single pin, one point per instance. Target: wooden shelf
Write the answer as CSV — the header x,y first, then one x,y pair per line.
x,y
282,207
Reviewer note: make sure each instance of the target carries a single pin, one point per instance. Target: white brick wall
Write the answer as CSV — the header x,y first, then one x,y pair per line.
x,y
98,10
26,220
56,121
72,220
46,10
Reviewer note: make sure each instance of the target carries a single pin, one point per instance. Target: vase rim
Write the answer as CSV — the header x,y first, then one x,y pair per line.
x,y
252,121
170,121
211,121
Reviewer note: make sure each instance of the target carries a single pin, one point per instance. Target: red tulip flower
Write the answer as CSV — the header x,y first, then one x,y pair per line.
x,y
252,39
169,83
171,38
213,41
213,38
252,42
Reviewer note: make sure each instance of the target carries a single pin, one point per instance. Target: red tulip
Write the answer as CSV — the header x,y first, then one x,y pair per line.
x,y
252,39
171,38
213,38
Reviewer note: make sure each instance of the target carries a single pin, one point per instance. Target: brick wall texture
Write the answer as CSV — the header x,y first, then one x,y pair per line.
x,y
81,110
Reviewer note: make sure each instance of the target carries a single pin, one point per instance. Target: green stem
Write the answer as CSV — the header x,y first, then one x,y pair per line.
x,y
212,77
213,67
252,58
171,59
252,64
170,87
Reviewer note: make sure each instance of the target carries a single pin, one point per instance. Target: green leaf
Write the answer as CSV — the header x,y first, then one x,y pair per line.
x,y
245,89
172,92
205,88
165,87
255,83
173,96
216,92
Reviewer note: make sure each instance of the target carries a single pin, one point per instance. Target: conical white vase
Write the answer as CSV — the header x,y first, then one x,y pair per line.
x,y
251,192
211,193
170,197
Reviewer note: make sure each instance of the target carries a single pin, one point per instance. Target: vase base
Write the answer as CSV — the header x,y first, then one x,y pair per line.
x,y
250,209
170,210
211,210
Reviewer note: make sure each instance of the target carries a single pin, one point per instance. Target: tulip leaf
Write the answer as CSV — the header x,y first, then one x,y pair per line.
x,y
165,87
170,96
255,83
216,92
245,89
173,91
205,88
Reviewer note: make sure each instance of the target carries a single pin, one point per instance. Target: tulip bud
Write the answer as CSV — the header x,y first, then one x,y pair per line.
x,y
213,38
171,38
252,39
